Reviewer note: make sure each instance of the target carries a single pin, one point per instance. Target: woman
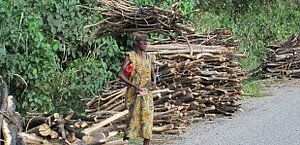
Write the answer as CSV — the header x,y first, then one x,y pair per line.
x,y
138,98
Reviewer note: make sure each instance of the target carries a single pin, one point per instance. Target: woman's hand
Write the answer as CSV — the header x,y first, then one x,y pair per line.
x,y
142,91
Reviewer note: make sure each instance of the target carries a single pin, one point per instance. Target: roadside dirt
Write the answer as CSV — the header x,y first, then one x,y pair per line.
x,y
272,119
192,133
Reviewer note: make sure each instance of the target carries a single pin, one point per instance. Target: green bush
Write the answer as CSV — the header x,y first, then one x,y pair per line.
x,y
49,59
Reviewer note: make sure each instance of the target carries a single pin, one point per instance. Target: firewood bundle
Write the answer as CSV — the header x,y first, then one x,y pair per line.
x,y
121,16
284,59
194,81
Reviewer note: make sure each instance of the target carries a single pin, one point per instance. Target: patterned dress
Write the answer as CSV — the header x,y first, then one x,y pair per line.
x,y
140,116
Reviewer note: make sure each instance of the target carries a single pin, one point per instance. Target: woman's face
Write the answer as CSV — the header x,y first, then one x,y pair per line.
x,y
142,44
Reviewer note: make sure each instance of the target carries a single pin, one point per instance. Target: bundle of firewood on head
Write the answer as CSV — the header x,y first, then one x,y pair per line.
x,y
197,78
283,59
121,16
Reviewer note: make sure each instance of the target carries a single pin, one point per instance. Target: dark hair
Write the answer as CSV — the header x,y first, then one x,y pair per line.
x,y
140,37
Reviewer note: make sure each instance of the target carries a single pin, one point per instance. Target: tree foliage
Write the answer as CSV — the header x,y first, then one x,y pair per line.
x,y
48,58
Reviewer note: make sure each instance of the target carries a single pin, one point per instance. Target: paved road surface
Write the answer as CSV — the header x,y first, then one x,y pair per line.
x,y
270,120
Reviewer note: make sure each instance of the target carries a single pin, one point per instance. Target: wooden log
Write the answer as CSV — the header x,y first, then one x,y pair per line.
x,y
61,124
113,105
175,56
11,124
110,95
223,112
32,138
78,134
97,126
117,142
159,129
9,139
71,137
289,72
100,113
119,108
186,51
77,116
43,130
99,137
78,142
194,113
182,47
283,57
4,95
210,108
121,93
185,98
287,50
174,121
174,131
195,105
163,99
160,108
210,115
53,134
69,115
36,121
157,115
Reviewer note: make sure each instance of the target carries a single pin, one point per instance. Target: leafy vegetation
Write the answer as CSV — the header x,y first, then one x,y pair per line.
x,y
51,63
257,24
254,87
44,44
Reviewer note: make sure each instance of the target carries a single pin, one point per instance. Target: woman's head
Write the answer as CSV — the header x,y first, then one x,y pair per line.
x,y
140,40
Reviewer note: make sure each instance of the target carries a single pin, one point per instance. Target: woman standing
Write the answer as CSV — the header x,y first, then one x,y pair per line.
x,y
138,99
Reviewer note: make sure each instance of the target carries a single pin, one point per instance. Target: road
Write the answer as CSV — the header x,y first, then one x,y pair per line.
x,y
269,120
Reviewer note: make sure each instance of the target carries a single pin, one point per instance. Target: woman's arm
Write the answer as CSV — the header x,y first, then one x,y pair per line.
x,y
153,76
122,76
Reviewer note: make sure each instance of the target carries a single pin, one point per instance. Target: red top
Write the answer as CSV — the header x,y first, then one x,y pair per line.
x,y
128,69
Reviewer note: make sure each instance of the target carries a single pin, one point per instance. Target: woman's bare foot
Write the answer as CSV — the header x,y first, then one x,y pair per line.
x,y
146,142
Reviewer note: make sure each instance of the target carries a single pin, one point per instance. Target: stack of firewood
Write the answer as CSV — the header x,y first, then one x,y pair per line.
x,y
283,59
194,81
121,16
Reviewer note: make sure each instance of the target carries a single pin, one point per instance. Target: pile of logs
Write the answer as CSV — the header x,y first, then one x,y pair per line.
x,y
283,59
69,129
121,16
194,81
52,129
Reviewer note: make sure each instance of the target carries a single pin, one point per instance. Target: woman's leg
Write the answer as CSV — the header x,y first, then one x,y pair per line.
x,y
146,142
